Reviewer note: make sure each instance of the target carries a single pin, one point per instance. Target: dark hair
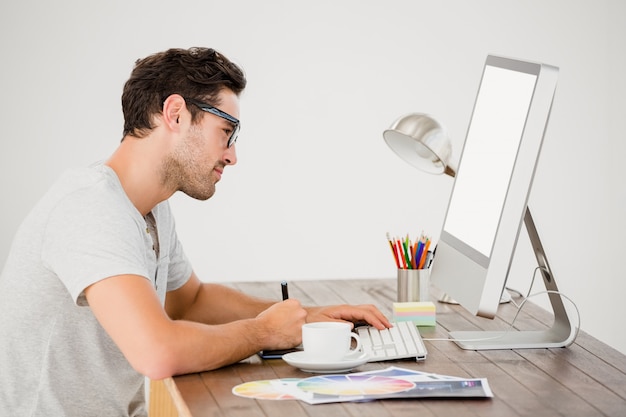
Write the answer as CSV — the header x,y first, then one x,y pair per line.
x,y
199,73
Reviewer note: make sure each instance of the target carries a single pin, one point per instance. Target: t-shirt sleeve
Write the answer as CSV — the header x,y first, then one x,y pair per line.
x,y
88,239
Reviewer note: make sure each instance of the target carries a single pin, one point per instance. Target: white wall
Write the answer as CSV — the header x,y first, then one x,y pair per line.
x,y
316,188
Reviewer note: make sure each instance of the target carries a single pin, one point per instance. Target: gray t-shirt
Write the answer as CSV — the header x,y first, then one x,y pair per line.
x,y
55,358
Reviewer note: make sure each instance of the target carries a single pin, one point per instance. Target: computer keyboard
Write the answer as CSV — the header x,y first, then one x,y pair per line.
x,y
399,342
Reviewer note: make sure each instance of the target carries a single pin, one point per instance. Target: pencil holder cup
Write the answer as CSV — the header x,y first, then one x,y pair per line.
x,y
413,285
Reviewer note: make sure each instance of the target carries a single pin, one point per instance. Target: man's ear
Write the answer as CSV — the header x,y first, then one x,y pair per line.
x,y
173,107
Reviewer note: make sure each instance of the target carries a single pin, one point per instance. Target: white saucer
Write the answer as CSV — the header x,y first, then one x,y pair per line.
x,y
300,360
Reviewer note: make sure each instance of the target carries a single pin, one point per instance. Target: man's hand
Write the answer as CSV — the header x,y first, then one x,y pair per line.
x,y
282,324
354,314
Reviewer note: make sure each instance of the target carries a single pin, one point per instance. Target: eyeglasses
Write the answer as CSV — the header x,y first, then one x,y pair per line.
x,y
217,112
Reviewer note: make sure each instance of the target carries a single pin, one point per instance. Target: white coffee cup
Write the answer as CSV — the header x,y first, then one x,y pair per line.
x,y
329,341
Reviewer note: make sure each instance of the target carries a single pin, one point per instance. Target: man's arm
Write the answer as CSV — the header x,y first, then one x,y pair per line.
x,y
212,303
158,346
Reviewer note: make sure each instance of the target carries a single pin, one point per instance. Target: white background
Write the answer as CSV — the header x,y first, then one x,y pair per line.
x,y
316,188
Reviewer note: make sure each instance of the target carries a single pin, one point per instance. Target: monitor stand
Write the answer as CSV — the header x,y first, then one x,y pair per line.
x,y
561,334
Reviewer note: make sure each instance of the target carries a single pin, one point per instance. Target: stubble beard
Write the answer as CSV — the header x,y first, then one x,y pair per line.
x,y
178,176
181,172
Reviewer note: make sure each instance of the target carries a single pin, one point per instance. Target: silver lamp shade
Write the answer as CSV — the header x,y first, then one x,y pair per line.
x,y
422,142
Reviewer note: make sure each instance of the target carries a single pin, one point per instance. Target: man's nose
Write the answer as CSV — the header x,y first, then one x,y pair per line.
x,y
230,156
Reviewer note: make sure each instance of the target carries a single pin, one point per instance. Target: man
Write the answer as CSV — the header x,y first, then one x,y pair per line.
x,y
97,292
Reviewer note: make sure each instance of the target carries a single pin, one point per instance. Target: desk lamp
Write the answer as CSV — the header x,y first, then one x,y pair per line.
x,y
423,142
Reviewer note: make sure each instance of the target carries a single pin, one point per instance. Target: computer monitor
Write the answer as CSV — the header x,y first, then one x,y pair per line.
x,y
488,203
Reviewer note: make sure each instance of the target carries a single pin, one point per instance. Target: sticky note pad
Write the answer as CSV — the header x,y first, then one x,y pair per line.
x,y
422,313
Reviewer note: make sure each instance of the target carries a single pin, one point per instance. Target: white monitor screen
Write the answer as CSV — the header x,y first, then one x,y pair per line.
x,y
490,194
489,203
489,156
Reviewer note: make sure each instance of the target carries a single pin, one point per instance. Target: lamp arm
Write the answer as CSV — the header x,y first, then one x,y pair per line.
x,y
450,169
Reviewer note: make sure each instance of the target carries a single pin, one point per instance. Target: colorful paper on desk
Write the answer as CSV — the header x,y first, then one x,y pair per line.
x,y
271,389
392,382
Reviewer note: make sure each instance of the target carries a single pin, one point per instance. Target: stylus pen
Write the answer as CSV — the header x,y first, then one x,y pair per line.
x,y
285,290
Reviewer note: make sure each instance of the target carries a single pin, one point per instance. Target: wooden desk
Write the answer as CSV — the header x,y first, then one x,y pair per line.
x,y
585,379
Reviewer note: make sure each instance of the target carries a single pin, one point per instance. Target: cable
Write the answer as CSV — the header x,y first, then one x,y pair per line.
x,y
532,282
519,309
